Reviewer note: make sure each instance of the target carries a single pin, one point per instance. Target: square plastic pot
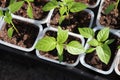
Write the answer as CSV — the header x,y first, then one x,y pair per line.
x,y
114,31
86,10
56,61
16,46
84,63
42,21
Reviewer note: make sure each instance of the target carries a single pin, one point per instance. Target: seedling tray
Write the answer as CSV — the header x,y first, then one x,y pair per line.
x,y
84,73
79,70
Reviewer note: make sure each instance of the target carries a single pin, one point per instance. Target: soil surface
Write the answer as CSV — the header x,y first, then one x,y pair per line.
x,y
90,2
26,37
4,3
37,6
93,60
67,57
71,22
112,19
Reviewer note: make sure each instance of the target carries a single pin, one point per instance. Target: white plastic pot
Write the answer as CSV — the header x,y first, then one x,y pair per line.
x,y
94,6
18,47
117,62
114,31
82,60
86,10
56,61
42,21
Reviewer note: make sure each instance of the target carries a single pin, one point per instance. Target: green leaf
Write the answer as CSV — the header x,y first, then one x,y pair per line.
x,y
12,1
70,4
93,42
62,10
10,32
62,35
118,47
1,13
50,5
86,32
90,50
76,7
103,34
29,0
29,12
8,17
109,41
104,53
60,48
15,6
109,8
46,44
67,1
75,48
61,19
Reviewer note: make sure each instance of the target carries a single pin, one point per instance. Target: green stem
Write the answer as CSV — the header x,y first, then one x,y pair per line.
x,y
14,27
28,3
117,4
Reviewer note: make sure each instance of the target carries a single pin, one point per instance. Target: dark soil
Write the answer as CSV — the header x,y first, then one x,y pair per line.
x,y
71,22
37,6
93,60
66,56
4,3
90,2
26,37
112,19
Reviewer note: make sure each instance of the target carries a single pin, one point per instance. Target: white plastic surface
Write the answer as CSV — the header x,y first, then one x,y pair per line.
x,y
117,62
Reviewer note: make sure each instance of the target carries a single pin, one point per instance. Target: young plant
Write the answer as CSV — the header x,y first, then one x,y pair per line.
x,y
111,7
100,43
50,43
65,7
13,7
29,7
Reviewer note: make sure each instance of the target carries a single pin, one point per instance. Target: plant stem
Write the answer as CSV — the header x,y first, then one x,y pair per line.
x,y
28,3
117,4
14,27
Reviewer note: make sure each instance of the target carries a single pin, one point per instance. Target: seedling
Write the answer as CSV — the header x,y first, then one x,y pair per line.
x,y
65,7
111,7
13,7
29,7
48,43
100,43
